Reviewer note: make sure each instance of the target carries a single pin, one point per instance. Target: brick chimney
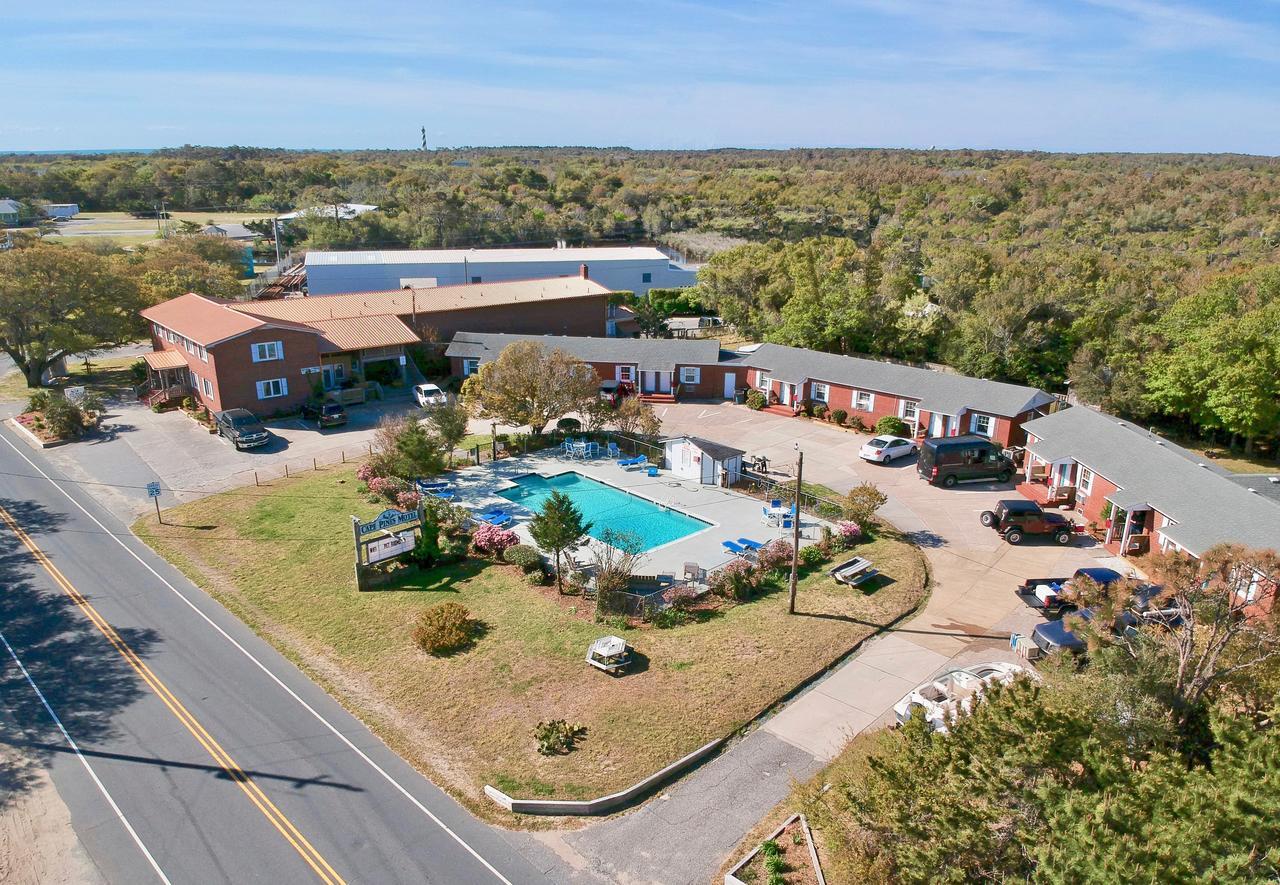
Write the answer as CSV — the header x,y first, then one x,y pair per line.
x,y
583,270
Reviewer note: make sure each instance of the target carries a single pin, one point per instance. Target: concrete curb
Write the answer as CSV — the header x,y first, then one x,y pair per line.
x,y
31,439
603,804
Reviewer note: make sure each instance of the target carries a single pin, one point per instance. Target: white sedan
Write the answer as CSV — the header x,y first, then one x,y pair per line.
x,y
429,396
884,449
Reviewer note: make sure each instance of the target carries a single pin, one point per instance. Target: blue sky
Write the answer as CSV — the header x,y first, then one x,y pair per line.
x,y
1104,75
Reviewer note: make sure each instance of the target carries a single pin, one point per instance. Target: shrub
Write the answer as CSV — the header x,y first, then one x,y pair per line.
x,y
524,556
861,503
367,471
755,400
811,556
64,418
538,578
426,550
568,425
774,556
138,371
671,617
848,534
820,411
189,403
444,628
408,500
838,416
892,425
558,737
736,581
38,401
856,422
492,540
388,488
807,406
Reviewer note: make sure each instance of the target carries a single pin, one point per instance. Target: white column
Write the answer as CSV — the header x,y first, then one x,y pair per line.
x,y
1124,535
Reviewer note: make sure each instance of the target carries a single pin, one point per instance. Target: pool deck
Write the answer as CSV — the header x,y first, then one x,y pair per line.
x,y
732,515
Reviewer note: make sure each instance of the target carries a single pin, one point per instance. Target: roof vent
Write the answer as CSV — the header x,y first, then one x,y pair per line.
x,y
1159,442
1252,491
1202,464
1274,479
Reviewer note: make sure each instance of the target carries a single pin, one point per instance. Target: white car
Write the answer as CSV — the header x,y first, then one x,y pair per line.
x,y
953,693
884,449
428,396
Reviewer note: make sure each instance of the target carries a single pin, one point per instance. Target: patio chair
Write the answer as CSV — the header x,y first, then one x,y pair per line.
x,y
787,523
750,544
653,471
613,450
694,572
776,504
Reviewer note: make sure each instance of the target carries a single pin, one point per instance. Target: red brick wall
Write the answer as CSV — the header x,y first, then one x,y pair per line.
x,y
236,373
584,316
1091,507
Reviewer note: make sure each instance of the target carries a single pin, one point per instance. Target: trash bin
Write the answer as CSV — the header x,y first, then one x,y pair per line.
x,y
740,396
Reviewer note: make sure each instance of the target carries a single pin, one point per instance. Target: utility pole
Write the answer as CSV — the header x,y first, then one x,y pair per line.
x,y
275,235
795,537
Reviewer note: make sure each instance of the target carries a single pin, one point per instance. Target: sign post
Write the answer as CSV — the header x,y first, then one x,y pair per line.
x,y
153,492
391,535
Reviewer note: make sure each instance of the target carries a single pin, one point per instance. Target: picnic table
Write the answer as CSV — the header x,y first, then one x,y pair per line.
x,y
854,571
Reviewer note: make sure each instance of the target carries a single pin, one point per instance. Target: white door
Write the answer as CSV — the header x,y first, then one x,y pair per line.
x,y
730,385
935,424
664,382
649,381
784,394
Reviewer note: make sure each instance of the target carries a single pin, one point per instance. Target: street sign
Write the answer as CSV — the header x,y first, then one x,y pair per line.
x,y
153,490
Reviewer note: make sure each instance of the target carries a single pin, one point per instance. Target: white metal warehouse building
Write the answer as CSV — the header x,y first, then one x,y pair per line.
x,y
631,268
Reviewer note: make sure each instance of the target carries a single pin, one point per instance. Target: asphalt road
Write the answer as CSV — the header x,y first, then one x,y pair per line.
x,y
192,751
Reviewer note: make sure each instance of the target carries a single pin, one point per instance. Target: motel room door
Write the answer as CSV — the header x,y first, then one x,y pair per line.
x,y
648,381
730,385
664,382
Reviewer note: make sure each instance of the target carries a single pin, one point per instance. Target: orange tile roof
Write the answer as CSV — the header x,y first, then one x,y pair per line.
x,y
359,333
165,359
201,319
401,302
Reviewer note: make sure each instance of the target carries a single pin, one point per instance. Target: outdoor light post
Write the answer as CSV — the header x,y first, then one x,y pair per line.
x,y
795,537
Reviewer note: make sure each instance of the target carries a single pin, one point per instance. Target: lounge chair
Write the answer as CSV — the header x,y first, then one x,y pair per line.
x,y
427,488
442,494
627,462
735,548
750,544
495,516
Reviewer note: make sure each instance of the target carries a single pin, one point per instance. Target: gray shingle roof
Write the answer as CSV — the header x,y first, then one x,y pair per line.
x,y
1265,484
718,451
10,207
1208,507
936,391
649,354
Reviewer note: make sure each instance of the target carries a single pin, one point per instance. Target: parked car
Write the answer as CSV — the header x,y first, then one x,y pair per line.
x,y
884,449
1016,518
1056,596
326,414
953,693
242,428
947,460
429,396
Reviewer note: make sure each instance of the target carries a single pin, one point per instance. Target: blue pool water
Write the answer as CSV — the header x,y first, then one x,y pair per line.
x,y
607,508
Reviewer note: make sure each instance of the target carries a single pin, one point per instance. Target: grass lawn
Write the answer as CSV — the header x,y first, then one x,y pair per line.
x,y
1233,460
106,377
468,719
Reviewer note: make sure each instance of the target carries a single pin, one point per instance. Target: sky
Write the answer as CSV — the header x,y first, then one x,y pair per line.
x,y
1104,75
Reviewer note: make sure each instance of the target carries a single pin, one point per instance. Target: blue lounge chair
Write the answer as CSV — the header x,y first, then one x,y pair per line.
x,y
442,494
427,488
750,544
494,516
626,462
735,548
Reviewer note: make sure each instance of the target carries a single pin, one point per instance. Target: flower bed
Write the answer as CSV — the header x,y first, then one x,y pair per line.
x,y
787,857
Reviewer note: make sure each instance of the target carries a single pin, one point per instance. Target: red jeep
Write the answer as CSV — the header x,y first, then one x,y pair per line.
x,y
1015,519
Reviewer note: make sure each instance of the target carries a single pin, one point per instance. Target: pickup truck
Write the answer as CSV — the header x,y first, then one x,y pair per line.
x,y
1016,518
242,428
1053,596
327,414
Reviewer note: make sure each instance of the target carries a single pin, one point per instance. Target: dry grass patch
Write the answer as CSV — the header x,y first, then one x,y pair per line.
x,y
468,718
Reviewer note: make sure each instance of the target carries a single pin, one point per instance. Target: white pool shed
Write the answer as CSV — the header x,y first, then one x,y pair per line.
x,y
692,457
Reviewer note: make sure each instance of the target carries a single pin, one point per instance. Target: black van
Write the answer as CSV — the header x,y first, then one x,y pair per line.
x,y
947,460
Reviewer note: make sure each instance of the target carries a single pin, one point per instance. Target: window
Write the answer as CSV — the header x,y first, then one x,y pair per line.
x,y
155,327
203,354
819,391
475,279
690,375
339,371
863,401
267,350
626,373
470,365
763,381
646,278
1085,485
980,424
207,386
273,388
909,411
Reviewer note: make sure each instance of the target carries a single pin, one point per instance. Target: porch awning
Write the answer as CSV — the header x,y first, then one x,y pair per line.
x,y
165,359
1128,500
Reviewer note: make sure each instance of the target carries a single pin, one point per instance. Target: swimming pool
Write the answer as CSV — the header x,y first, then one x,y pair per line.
x,y
607,508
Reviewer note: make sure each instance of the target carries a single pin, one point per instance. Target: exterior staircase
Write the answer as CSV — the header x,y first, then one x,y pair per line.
x,y
779,409
657,397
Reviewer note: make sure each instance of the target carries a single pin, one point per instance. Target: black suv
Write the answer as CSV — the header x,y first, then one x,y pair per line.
x,y
328,414
241,427
1015,519
947,460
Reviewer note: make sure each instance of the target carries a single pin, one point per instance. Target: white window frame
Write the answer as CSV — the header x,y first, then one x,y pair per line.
x,y
819,391
470,365
625,374
265,388
203,354
857,400
975,418
914,406
690,375
267,351
1084,482
207,386
764,382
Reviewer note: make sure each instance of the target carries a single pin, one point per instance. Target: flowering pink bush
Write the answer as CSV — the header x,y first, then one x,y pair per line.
x,y
774,556
491,540
387,487
408,500
848,534
366,472
736,580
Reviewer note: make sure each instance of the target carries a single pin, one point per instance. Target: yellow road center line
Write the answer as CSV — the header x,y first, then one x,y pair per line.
x,y
250,788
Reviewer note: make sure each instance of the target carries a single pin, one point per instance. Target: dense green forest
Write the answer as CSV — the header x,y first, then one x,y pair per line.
x,y
1141,279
